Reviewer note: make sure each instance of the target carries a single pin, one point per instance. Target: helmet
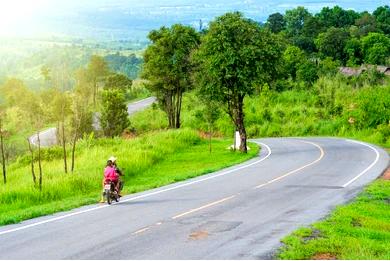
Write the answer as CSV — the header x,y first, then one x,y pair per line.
x,y
112,158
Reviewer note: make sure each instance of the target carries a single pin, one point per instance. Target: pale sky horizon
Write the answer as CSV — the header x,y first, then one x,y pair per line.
x,y
122,19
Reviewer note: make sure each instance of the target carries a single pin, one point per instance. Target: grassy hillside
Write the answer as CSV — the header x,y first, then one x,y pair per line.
x,y
149,161
332,107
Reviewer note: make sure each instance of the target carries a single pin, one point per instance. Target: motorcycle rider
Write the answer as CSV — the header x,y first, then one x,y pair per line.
x,y
119,173
110,174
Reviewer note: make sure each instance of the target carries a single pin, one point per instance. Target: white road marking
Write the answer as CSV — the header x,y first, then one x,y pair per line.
x,y
141,230
141,196
296,170
368,168
52,220
203,207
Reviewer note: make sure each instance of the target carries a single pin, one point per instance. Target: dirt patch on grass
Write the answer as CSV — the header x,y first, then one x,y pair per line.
x,y
386,175
324,256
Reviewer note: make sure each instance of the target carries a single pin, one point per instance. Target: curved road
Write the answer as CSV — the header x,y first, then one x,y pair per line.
x,y
49,137
237,213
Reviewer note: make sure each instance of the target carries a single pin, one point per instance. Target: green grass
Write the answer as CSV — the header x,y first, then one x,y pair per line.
x,y
359,230
149,161
358,113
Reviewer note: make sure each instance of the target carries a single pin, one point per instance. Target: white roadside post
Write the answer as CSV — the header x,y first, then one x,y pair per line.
x,y
237,141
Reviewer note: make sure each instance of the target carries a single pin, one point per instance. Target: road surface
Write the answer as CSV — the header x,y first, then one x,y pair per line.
x,y
238,213
49,138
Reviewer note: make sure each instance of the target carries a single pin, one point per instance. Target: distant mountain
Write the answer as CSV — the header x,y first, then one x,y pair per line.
x,y
132,20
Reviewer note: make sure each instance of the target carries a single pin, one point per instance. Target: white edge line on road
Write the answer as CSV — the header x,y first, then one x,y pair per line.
x,y
296,170
142,196
368,168
141,230
203,207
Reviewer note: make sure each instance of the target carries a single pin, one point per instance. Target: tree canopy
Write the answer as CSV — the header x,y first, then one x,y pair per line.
x,y
235,56
167,67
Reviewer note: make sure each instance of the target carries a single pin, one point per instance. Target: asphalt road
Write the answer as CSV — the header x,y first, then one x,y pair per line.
x,y
49,138
237,213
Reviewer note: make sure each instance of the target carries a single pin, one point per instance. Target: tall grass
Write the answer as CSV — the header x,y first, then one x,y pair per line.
x,y
332,107
149,161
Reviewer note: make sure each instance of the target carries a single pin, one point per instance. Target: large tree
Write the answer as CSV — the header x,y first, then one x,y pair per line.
x,y
167,67
295,20
382,15
376,48
276,22
332,43
337,17
234,58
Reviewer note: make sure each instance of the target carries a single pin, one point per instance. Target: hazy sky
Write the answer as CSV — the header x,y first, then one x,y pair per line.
x,y
123,19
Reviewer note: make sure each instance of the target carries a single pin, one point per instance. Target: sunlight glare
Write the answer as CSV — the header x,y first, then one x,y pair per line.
x,y
16,14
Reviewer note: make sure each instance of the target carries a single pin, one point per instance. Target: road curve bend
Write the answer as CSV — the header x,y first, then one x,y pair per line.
x,y
237,213
48,137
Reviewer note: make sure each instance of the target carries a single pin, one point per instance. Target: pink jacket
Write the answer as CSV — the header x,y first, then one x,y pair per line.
x,y
110,173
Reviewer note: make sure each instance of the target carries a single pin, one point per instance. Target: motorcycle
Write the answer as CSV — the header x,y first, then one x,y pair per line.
x,y
110,192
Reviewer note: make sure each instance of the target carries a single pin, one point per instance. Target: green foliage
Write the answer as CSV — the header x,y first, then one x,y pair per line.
x,y
249,58
332,43
293,58
328,67
146,161
366,24
337,17
353,50
382,15
334,106
97,67
114,118
276,22
295,19
359,230
307,73
376,48
371,107
127,65
167,67
118,81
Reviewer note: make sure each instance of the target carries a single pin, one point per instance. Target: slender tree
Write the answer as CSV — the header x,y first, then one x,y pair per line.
x,y
97,71
32,162
4,170
39,161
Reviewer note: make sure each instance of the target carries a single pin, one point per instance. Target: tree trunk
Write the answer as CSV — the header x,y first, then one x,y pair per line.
x,y
2,152
178,108
169,109
94,92
210,132
74,143
32,162
64,147
39,162
240,124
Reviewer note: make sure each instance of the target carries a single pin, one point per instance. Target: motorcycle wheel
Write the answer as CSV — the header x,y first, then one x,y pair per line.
x,y
108,197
